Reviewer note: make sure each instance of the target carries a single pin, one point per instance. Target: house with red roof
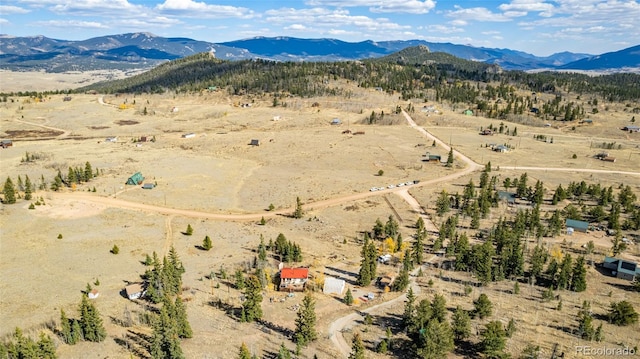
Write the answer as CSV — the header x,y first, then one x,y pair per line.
x,y
293,279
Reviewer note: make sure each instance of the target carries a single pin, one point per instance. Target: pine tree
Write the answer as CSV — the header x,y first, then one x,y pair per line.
x,y
579,276
189,230
283,352
251,307
357,348
306,321
402,281
461,324
483,306
622,313
46,347
564,277
439,308
28,188
598,336
90,322
493,340
9,192
88,171
408,316
450,158
436,341
206,243
348,297
71,177
298,213
262,250
65,331
180,316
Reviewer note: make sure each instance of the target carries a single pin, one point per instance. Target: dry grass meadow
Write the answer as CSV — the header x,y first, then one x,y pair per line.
x,y
300,155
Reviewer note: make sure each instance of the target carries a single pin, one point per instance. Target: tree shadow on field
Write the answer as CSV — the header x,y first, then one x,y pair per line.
x,y
628,288
466,349
288,333
230,310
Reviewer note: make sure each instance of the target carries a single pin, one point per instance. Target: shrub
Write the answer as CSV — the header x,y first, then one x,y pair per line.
x,y
115,249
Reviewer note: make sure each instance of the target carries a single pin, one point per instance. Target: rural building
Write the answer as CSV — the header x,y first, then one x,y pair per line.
x,y
254,143
6,143
580,226
631,128
136,179
508,197
501,148
336,121
93,294
189,135
134,291
428,157
333,286
293,279
148,186
622,268
111,139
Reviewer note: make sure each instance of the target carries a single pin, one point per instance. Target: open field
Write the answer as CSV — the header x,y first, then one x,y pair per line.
x,y
217,175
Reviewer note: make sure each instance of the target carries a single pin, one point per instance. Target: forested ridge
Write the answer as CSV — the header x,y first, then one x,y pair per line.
x,y
410,73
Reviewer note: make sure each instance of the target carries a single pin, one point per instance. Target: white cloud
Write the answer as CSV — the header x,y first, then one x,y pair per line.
x,y
71,24
10,9
331,19
443,29
526,6
476,14
204,10
95,7
4,21
296,27
608,18
381,6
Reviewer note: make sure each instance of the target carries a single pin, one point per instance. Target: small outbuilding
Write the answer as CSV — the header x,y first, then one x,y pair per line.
x,y
189,135
333,286
631,128
501,148
136,179
428,157
134,291
148,186
254,143
6,143
580,226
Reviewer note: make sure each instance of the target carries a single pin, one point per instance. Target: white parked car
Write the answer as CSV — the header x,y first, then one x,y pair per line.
x,y
391,186
401,184
408,183
373,189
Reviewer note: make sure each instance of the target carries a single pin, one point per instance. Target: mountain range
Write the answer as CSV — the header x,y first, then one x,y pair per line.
x,y
144,50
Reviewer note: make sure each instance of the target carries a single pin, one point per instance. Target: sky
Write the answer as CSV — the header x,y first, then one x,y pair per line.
x,y
539,27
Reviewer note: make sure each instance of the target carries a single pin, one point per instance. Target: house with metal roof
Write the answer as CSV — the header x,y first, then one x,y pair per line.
x,y
580,226
293,279
622,268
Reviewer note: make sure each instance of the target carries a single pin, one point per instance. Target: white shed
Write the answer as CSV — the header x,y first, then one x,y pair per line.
x,y
333,286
